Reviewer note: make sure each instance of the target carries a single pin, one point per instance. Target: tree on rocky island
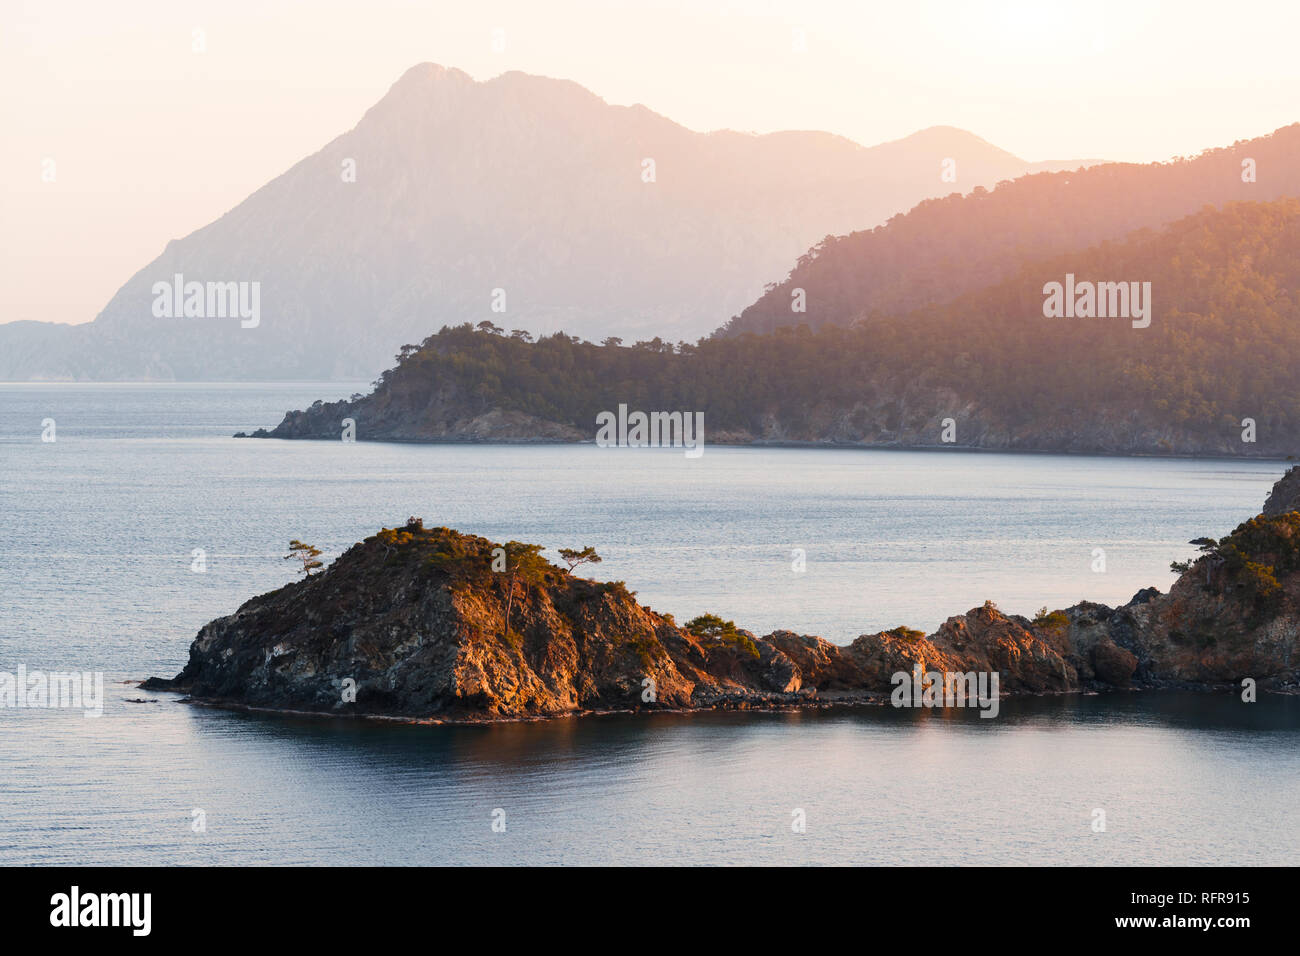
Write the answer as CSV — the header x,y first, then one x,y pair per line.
x,y
305,553
1051,620
1209,549
574,558
713,629
524,565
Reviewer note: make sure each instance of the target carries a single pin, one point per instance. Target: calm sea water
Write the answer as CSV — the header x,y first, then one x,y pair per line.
x,y
99,532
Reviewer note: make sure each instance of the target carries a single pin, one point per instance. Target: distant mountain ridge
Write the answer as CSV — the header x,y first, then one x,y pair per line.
x,y
524,184
946,247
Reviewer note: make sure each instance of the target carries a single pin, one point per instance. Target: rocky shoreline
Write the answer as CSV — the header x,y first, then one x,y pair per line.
x,y
773,704
446,420
472,437
429,625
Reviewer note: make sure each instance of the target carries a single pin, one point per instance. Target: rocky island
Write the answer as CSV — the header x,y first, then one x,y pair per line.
x,y
424,623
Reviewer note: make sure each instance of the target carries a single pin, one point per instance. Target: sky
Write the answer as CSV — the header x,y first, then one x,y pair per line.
x,y
128,124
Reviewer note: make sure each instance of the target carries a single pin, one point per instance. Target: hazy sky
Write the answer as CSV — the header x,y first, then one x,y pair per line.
x,y
151,139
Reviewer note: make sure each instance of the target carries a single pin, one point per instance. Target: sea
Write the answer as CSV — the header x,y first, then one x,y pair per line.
x,y
131,517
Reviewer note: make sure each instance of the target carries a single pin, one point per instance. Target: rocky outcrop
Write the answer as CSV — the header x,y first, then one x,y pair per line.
x,y
382,417
1285,495
428,623
1233,613
413,622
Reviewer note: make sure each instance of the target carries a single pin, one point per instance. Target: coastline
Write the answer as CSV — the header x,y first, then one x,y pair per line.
x,y
798,445
793,705
415,623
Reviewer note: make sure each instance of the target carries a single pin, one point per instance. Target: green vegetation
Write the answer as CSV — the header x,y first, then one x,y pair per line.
x,y
713,629
467,559
1053,620
474,563
522,565
1257,551
904,633
950,246
1224,343
616,588
1250,559
1208,548
306,554
574,558
648,650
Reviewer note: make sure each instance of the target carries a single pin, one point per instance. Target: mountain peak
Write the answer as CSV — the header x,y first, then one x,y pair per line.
x,y
951,138
422,86
426,74
461,185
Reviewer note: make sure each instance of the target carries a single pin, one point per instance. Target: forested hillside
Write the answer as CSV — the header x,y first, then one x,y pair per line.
x,y
946,247
1223,345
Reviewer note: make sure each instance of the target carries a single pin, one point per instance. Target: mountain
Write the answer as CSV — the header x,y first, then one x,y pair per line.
x,y
525,184
1222,347
422,623
949,246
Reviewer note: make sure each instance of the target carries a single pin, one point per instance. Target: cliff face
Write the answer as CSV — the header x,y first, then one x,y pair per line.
x,y
428,623
1285,495
1235,612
